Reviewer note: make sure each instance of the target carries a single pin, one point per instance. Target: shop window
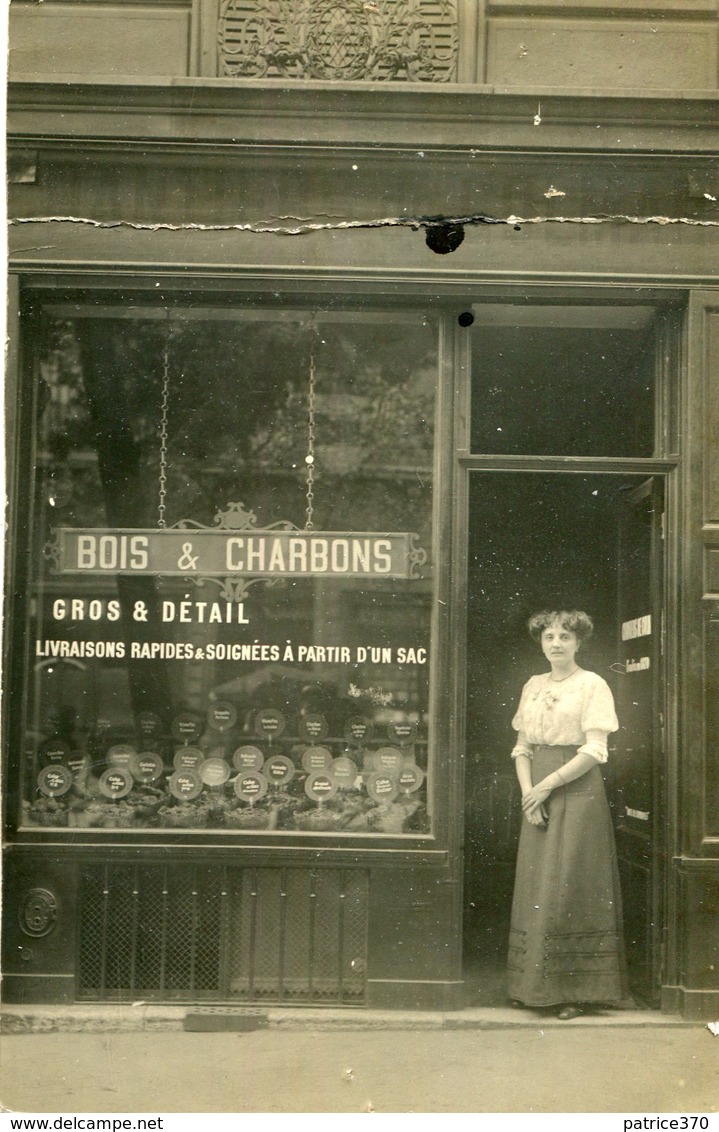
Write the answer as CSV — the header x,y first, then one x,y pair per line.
x,y
287,690
563,381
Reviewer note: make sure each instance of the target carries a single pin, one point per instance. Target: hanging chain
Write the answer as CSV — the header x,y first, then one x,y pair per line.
x,y
162,484
310,457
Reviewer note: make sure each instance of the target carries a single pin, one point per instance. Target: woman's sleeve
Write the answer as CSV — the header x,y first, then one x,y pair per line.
x,y
519,723
522,746
599,718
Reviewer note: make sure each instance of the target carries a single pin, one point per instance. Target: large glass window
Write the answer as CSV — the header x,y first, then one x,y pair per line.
x,y
291,693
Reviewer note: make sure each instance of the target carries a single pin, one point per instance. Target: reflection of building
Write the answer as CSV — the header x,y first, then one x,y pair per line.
x,y
245,211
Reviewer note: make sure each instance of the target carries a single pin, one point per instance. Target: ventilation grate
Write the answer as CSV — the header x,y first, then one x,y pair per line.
x,y
264,935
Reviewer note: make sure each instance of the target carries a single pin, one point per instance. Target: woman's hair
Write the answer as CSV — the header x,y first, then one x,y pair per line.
x,y
574,620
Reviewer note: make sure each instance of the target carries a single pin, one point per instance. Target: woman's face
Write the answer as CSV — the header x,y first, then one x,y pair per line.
x,y
559,645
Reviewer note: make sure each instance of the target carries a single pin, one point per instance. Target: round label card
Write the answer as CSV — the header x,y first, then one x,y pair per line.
x,y
116,782
248,758
358,729
187,727
403,732
214,772
320,786
251,787
316,758
410,778
54,751
148,724
388,759
222,716
344,772
382,787
54,781
146,767
188,758
279,769
313,726
77,763
121,754
185,785
269,722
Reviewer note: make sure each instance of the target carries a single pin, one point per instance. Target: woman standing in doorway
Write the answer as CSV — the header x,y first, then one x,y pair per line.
x,y
566,946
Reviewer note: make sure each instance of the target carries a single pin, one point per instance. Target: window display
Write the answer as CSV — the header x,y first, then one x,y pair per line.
x,y
230,572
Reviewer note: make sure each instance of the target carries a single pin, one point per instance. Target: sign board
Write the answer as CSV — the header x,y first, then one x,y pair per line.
x,y
260,553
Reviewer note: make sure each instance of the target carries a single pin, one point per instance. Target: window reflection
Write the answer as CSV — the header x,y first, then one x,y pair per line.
x,y
284,705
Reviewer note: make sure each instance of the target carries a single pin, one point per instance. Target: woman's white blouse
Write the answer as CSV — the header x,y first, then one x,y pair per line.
x,y
566,713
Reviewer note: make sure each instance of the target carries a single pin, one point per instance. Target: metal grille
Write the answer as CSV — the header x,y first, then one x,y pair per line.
x,y
302,936
245,935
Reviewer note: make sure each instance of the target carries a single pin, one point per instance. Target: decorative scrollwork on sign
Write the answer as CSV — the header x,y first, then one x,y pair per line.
x,y
233,517
396,40
52,552
417,557
38,912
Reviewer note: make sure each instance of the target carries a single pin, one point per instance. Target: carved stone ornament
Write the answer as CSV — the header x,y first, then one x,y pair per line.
x,y
38,912
349,40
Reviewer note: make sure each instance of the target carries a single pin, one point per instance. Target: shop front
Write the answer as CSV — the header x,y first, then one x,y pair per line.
x,y
285,485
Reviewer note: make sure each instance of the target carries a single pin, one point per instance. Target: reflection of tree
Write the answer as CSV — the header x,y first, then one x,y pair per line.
x,y
374,405
237,406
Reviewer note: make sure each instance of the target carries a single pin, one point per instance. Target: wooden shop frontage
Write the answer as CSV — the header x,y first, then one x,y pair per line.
x,y
319,384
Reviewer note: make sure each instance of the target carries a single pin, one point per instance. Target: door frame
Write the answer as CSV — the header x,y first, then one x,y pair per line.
x,y
665,465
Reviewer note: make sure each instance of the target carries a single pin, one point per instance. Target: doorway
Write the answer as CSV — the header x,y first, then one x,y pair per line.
x,y
562,540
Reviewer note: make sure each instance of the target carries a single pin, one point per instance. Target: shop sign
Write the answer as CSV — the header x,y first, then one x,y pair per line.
x,y
258,553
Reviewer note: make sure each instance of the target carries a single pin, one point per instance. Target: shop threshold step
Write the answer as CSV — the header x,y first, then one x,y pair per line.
x,y
203,1018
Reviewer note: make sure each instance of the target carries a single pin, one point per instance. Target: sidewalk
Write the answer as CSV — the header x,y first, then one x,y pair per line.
x,y
313,1061
142,1016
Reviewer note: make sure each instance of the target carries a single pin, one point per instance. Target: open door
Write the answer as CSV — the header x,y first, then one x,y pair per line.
x,y
639,760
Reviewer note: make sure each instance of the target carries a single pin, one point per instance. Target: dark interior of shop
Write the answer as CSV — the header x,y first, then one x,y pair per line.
x,y
537,540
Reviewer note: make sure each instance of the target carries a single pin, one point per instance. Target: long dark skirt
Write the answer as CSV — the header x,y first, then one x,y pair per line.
x,y
566,942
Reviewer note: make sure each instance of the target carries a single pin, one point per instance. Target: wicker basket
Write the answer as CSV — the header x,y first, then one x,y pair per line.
x,y
180,817
248,819
49,818
321,820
